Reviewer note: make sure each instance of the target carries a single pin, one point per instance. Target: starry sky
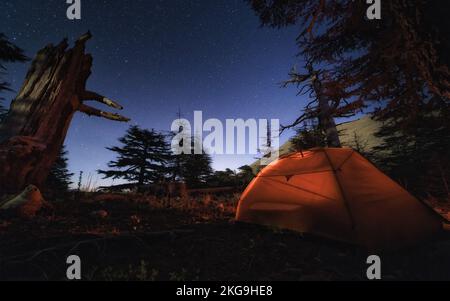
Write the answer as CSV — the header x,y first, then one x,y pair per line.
x,y
158,57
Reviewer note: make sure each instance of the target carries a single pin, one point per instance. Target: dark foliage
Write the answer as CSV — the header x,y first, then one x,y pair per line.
x,y
230,178
142,158
245,175
9,53
194,169
224,178
418,155
308,136
398,65
401,61
59,179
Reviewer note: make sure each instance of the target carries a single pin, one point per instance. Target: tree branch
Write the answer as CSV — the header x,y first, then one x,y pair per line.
x,y
84,38
90,111
298,121
88,95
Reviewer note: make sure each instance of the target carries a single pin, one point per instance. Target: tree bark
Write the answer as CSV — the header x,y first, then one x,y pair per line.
x,y
324,112
326,119
39,117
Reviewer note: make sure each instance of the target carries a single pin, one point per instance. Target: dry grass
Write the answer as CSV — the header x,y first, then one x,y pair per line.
x,y
138,237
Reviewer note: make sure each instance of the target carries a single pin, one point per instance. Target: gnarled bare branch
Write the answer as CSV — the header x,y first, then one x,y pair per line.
x,y
90,111
298,121
88,95
84,38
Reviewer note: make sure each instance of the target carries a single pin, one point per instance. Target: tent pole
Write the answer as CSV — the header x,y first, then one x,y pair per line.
x,y
346,203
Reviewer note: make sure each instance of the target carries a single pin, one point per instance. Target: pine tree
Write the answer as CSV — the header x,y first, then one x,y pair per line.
x,y
59,179
418,155
195,169
245,175
142,159
9,53
224,178
308,136
399,65
401,61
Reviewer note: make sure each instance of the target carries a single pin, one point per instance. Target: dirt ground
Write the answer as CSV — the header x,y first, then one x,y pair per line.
x,y
123,238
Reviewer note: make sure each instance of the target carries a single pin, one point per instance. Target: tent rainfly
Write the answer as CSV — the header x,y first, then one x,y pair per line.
x,y
337,193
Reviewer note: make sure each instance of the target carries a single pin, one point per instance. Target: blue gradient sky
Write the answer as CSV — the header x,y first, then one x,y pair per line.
x,y
156,57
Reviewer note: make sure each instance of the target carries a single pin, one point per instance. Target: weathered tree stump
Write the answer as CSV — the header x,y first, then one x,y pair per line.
x,y
37,123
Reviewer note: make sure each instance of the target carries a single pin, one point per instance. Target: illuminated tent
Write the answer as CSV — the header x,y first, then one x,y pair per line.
x,y
339,194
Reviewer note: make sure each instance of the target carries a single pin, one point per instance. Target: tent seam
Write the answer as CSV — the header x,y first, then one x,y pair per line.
x,y
346,202
305,190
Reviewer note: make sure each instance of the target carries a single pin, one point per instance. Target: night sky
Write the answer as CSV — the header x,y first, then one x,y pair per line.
x,y
156,57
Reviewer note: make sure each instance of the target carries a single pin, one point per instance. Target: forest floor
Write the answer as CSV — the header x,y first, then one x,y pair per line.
x,y
122,237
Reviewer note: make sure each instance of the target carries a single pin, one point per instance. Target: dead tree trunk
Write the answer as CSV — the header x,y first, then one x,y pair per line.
x,y
37,123
322,110
326,119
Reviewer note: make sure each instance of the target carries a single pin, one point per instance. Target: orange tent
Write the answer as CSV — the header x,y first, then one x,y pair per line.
x,y
339,194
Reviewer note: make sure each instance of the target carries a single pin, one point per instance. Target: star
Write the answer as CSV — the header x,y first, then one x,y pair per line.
x,y
155,57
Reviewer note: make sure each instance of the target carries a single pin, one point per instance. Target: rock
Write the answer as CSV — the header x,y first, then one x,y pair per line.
x,y
101,214
446,226
27,204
